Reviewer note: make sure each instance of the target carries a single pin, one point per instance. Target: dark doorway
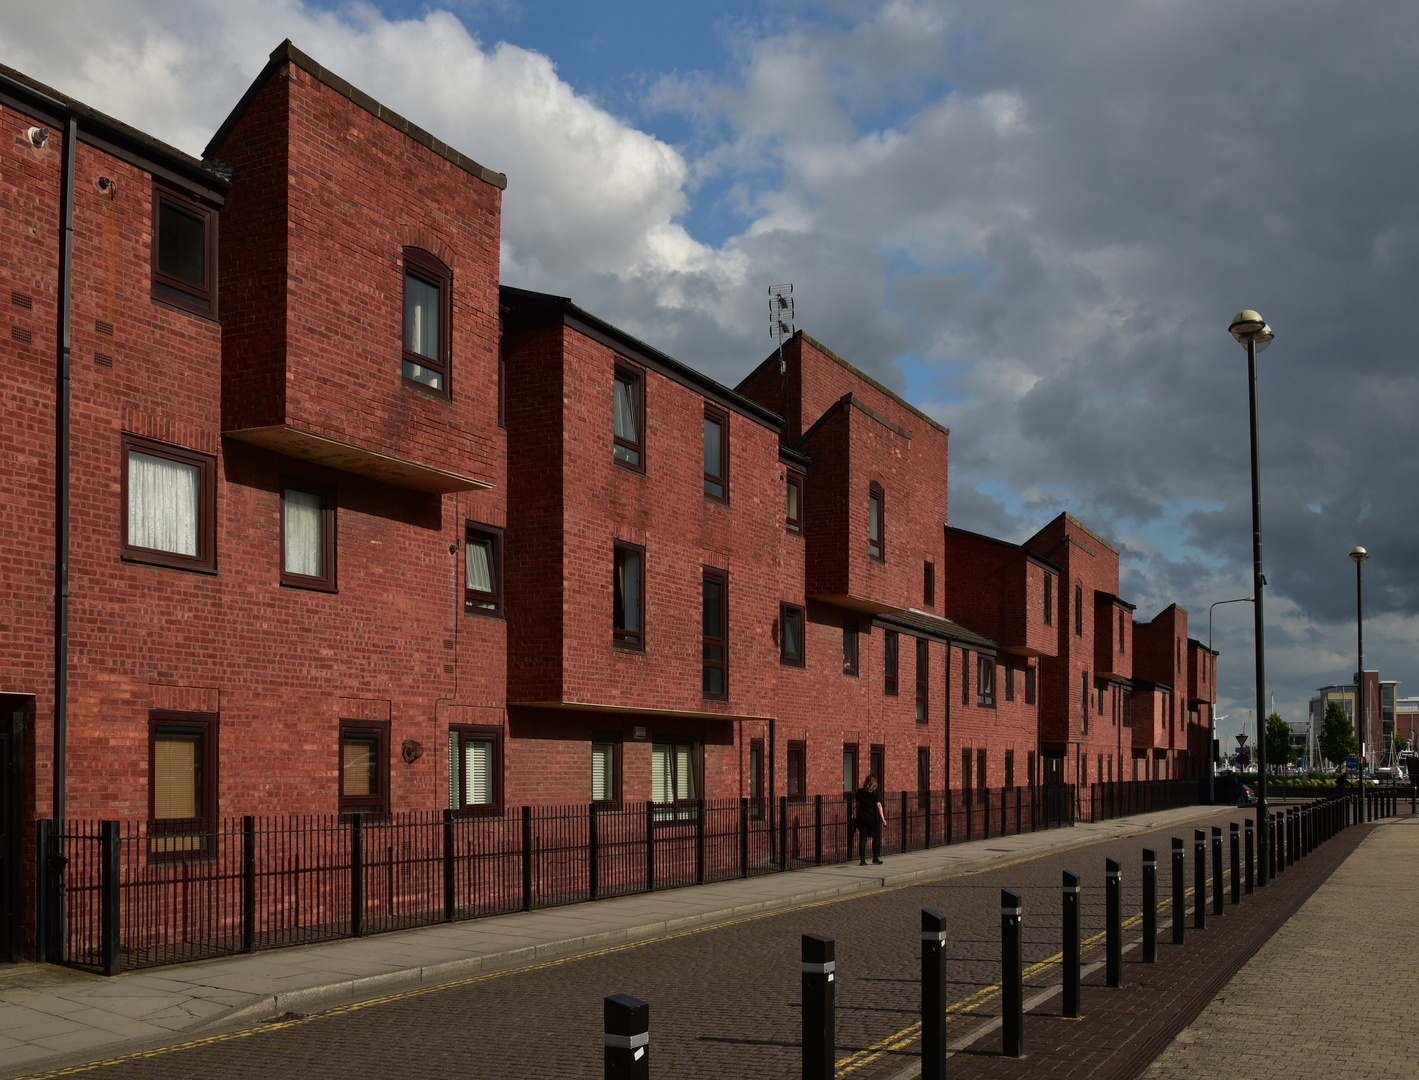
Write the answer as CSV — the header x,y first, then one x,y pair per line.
x,y
16,711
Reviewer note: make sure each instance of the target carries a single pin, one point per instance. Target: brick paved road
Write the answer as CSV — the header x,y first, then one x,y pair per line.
x,y
725,1000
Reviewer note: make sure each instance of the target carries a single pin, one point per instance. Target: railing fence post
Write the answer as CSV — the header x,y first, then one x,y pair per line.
x,y
783,832
110,899
1150,906
1113,931
1071,944
744,837
593,851
357,875
1012,982
933,995
927,833
904,821
650,847
626,1022
817,830
819,991
527,858
248,883
700,812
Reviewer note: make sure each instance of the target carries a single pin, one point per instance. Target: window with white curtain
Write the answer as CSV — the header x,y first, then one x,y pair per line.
x,y
168,494
473,768
307,536
427,309
482,570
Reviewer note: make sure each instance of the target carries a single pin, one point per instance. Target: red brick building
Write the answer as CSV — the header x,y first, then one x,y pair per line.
x,y
305,512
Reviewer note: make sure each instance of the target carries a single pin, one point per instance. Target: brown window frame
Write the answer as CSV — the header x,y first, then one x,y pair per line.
x,y
1120,632
928,583
325,582
982,769
923,680
1009,768
721,640
1049,598
476,601
165,833
965,676
851,647
1029,684
795,777
1009,673
985,681
716,415
621,637
169,288
480,732
877,549
426,265
891,652
1078,610
793,479
853,749
368,806
755,775
784,611
625,372
205,561
923,774
615,742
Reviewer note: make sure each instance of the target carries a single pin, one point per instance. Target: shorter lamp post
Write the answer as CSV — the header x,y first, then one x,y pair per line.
x,y
1359,554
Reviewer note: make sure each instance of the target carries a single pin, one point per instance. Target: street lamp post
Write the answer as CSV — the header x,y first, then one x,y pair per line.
x,y
1359,554
1212,720
1251,331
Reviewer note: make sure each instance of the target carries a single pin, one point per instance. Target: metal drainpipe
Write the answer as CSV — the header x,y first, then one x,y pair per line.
x,y
61,508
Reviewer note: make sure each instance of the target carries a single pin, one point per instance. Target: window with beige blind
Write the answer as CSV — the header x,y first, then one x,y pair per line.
x,y
673,767
182,786
474,769
364,767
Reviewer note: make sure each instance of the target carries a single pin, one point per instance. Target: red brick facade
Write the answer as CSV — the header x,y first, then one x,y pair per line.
x,y
762,641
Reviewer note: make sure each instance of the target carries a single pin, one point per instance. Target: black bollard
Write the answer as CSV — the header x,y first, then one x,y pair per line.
x,y
1290,836
1071,944
1150,906
933,995
1271,837
819,1007
1199,879
627,1024
1236,863
1250,831
1216,870
1012,977
1179,910
1113,930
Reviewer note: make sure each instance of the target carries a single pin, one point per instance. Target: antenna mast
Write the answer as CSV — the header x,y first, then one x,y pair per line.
x,y
781,318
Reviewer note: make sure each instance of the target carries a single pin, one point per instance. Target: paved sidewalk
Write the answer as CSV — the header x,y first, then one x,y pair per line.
x,y
1328,997
51,1017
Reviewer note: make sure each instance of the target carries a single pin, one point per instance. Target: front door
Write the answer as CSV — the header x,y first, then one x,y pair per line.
x,y
15,711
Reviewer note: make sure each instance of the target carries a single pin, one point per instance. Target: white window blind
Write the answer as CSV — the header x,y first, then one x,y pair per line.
x,y
478,768
684,773
304,549
660,771
164,499
603,777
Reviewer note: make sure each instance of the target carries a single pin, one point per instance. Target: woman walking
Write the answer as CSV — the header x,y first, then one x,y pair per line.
x,y
870,817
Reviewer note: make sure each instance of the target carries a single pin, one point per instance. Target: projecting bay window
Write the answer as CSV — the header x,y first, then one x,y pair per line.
x,y
474,769
307,535
673,773
184,252
716,453
182,786
169,505
428,317
715,630
628,601
482,569
629,406
364,767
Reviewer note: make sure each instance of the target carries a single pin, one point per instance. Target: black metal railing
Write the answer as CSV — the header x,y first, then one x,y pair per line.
x,y
122,895
1101,801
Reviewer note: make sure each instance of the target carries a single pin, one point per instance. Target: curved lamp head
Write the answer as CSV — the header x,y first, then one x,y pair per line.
x,y
1247,326
1359,554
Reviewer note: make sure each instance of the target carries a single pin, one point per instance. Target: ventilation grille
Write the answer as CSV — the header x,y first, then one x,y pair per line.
x,y
20,300
24,337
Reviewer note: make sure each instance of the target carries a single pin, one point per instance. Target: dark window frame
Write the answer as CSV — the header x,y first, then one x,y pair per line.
x,y
325,582
1084,702
793,479
795,777
855,750
928,583
784,657
982,769
368,806
923,680
709,573
716,415
923,775
622,638
169,288
1121,649
480,732
985,681
426,265
1030,684
965,676
1049,598
625,372
475,601
851,647
877,549
163,831
615,741
755,770
1009,673
205,561
1078,610
891,652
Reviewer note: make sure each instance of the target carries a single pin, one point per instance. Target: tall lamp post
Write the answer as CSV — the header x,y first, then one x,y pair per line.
x,y
1212,720
1251,331
1359,554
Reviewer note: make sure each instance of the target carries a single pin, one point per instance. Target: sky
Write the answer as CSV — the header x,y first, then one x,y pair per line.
x,y
1034,221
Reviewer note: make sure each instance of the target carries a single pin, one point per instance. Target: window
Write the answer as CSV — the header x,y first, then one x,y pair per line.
x,y
794,780
1009,685
169,505
928,584
1084,701
673,775
1010,768
716,453
428,318
889,662
875,766
1030,768
482,569
1103,698
874,522
923,674
1078,611
850,647
474,768
628,604
630,418
981,775
184,252
965,677
307,535
604,775
923,773
1120,631
1029,685
849,767
182,787
966,755
1049,599
793,515
715,628
364,767
756,777
985,681
791,635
